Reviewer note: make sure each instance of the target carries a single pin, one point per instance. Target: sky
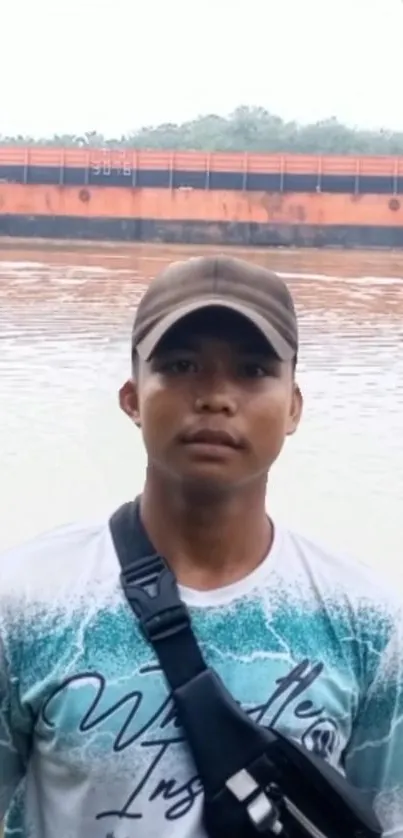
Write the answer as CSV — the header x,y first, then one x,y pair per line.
x,y
115,65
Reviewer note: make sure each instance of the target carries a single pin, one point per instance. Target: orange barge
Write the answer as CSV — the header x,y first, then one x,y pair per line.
x,y
202,198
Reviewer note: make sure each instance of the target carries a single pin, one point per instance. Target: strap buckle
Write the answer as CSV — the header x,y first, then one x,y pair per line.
x,y
161,613
165,624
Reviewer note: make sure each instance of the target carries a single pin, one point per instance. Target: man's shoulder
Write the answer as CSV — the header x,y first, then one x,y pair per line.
x,y
74,535
340,577
53,561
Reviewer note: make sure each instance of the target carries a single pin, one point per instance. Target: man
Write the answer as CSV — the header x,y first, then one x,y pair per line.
x,y
306,641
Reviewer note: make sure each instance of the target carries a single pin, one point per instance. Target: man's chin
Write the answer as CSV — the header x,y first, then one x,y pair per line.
x,y
209,480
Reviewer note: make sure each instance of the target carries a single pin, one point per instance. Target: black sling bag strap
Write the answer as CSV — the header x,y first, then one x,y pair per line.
x,y
255,781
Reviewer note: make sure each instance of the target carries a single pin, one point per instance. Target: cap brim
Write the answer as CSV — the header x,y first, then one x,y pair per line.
x,y
281,348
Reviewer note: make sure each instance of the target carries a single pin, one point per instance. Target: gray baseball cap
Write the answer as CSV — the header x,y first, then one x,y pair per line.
x,y
250,290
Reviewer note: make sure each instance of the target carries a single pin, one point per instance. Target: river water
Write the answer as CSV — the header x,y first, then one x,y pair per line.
x,y
67,452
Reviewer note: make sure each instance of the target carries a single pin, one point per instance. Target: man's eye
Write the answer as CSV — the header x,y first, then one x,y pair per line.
x,y
253,370
180,366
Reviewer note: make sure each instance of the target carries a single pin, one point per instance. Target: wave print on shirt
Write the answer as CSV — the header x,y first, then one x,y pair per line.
x,y
293,655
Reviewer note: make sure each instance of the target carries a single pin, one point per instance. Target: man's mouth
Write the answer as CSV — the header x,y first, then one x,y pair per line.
x,y
209,437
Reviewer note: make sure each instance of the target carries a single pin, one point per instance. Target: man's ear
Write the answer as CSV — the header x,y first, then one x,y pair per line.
x,y
296,408
129,402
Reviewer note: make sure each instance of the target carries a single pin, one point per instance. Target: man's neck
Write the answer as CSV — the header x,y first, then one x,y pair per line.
x,y
209,542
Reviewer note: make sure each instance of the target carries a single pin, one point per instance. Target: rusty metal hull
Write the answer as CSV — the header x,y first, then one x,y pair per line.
x,y
199,232
198,198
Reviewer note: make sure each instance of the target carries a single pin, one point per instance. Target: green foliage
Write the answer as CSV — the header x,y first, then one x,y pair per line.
x,y
246,129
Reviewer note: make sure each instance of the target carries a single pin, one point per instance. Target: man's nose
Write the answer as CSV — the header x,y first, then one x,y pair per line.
x,y
217,395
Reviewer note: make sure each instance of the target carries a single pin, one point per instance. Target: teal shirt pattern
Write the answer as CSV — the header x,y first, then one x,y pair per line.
x,y
90,745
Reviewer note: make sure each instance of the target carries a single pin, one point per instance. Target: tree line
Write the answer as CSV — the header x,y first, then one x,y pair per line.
x,y
246,129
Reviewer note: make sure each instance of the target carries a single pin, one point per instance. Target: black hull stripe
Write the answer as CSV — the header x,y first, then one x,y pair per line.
x,y
196,232
234,181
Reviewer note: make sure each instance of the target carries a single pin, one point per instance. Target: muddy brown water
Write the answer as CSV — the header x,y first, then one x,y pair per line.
x,y
66,451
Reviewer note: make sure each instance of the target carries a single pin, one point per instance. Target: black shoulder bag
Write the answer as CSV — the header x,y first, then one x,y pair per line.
x,y
256,781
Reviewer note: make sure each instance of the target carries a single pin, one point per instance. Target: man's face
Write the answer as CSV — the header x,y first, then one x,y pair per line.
x,y
214,403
